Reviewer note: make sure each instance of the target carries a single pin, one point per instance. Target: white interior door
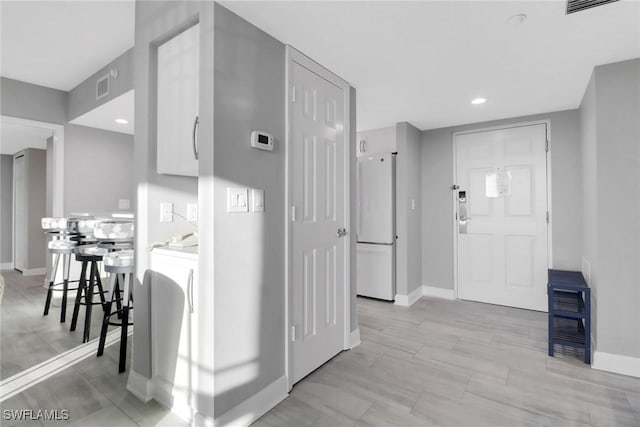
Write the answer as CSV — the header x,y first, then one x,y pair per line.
x,y
502,220
318,169
19,212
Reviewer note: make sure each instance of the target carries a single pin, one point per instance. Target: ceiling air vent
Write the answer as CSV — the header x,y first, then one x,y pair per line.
x,y
102,87
578,5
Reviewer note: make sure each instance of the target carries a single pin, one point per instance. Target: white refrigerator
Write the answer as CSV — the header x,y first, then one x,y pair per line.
x,y
376,231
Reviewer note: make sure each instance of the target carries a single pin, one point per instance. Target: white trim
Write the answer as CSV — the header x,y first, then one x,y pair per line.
x,y
355,338
293,55
34,271
616,363
20,382
547,124
140,386
255,406
435,292
6,265
409,300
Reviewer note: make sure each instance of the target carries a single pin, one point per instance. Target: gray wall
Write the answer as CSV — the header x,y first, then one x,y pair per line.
x,y
157,22
249,276
82,98
617,218
98,169
6,208
20,99
589,196
437,209
408,219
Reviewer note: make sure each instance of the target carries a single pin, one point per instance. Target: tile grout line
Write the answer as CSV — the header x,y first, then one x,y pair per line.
x,y
38,373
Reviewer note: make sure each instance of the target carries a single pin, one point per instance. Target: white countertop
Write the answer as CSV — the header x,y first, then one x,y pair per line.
x,y
190,252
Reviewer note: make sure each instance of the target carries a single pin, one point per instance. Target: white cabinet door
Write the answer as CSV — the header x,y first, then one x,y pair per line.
x,y
178,74
376,142
174,331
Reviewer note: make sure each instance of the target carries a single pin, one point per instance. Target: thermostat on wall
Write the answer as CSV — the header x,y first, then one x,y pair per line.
x,y
261,140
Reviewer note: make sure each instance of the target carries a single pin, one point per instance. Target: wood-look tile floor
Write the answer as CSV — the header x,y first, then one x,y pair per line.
x,y
28,338
446,363
456,363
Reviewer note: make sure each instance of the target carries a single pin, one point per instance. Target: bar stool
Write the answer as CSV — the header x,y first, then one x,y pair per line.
x,y
118,263
58,248
89,256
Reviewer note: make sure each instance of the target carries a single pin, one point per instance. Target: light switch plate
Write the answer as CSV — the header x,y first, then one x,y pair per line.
x,y
192,212
257,200
166,212
237,200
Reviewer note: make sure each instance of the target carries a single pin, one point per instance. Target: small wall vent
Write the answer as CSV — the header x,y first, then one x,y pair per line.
x,y
574,6
102,87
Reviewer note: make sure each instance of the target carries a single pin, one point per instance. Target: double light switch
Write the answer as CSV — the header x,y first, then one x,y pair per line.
x,y
245,199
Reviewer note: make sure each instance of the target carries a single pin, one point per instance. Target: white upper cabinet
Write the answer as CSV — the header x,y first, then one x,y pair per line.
x,y
376,141
178,75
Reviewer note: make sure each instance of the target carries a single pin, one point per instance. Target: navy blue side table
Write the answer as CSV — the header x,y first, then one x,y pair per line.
x,y
569,311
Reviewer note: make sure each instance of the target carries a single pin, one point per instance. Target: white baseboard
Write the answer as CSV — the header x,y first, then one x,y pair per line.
x,y
354,340
442,293
409,300
140,386
34,271
256,406
616,363
6,265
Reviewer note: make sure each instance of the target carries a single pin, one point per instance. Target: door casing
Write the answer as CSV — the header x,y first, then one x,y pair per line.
x,y
547,123
294,56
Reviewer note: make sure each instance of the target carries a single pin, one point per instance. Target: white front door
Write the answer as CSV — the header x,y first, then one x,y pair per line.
x,y
501,223
19,212
318,178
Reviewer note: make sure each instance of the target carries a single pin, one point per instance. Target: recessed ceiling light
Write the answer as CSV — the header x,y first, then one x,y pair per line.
x,y
478,101
122,121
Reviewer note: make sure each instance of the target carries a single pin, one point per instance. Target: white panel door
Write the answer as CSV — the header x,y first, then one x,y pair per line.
x,y
502,242
318,139
19,212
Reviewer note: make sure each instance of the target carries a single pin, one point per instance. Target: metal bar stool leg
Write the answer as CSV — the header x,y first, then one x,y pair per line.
x,y
66,264
82,285
52,278
89,303
107,312
125,324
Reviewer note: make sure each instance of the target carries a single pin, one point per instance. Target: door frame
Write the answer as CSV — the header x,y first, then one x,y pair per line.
x,y
547,123
57,198
294,56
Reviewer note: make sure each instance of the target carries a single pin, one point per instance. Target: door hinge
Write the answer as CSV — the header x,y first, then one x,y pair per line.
x,y
547,217
293,213
293,333
546,145
293,94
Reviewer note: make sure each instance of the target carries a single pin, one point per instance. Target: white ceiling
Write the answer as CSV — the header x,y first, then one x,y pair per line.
x,y
423,62
17,136
104,116
59,44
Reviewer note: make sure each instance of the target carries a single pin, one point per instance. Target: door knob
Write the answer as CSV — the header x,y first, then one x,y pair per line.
x,y
464,218
341,232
